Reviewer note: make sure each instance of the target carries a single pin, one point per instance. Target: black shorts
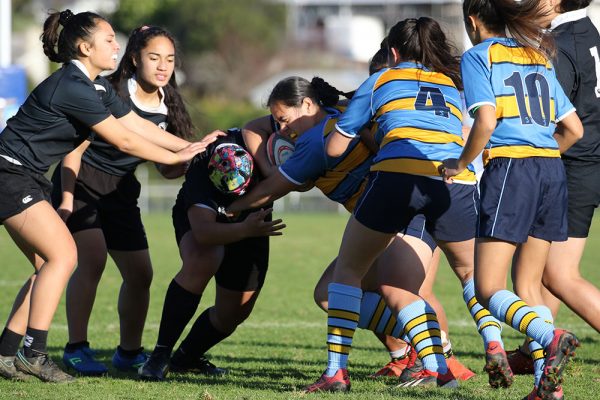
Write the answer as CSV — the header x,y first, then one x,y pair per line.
x,y
583,183
245,263
106,202
21,189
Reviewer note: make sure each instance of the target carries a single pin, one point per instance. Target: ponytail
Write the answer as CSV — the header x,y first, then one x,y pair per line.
x,y
291,91
61,47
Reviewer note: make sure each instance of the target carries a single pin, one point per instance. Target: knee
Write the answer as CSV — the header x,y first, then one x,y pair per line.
x,y
228,322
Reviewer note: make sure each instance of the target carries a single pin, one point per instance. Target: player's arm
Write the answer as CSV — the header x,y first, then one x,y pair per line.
x,y
68,175
568,131
483,127
208,231
267,191
255,134
152,132
337,144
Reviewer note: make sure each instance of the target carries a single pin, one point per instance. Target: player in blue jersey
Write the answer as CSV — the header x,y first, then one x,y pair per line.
x,y
517,103
100,206
70,106
235,253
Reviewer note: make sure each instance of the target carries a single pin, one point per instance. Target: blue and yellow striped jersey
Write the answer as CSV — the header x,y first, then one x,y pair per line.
x,y
342,179
523,88
419,117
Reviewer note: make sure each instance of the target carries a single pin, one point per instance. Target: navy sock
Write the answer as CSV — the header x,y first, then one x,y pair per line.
x,y
9,343
179,308
35,342
202,336
71,347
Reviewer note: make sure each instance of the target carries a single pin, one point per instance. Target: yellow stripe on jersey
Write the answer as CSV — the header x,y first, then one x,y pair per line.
x,y
507,107
338,348
419,167
329,126
409,104
499,53
351,202
413,74
421,135
342,314
518,152
377,315
512,310
335,330
332,178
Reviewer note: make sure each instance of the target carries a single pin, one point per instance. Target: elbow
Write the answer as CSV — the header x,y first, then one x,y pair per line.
x,y
125,145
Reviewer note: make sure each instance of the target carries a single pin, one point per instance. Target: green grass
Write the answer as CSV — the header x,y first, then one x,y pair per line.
x,y
280,348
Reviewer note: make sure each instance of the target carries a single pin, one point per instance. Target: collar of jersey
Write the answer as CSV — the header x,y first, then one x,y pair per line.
x,y
570,16
132,88
82,67
410,64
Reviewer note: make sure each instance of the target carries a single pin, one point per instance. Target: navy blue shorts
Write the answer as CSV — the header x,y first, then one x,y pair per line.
x,y
583,182
391,200
523,197
417,228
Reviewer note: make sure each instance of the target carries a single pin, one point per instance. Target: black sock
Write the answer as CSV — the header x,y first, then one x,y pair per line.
x,y
71,347
35,342
179,308
129,353
9,343
202,336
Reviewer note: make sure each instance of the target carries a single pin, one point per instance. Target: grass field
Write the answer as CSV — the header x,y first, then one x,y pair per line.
x,y
281,347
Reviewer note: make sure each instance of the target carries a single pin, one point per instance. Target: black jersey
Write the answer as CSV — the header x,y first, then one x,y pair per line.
x,y
578,70
57,116
107,158
198,190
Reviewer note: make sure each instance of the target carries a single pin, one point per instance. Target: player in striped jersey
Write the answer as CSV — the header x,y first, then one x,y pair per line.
x,y
515,98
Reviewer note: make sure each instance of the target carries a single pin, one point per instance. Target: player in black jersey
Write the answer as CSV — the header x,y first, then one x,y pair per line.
x,y
578,70
236,253
100,207
70,106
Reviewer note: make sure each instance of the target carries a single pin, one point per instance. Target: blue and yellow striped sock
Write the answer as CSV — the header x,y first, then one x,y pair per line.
x,y
535,349
489,327
421,325
342,320
508,307
376,316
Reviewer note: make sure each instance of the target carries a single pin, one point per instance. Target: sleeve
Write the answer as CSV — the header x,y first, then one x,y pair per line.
x,y
79,100
199,190
307,162
566,73
478,89
117,106
359,111
563,106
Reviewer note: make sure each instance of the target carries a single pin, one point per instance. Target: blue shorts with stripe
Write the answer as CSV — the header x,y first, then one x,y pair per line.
x,y
523,197
391,200
417,228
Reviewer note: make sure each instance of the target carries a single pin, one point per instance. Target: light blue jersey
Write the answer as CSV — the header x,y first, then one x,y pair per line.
x,y
419,117
341,179
521,84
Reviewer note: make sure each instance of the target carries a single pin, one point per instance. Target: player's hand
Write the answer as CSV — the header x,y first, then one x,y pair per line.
x,y
64,210
257,226
449,169
188,152
211,137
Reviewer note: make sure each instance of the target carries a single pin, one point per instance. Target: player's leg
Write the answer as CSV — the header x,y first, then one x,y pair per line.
x,y
34,226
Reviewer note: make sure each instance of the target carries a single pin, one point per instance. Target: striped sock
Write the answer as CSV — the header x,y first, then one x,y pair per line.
x,y
421,325
376,316
536,350
508,307
342,320
489,327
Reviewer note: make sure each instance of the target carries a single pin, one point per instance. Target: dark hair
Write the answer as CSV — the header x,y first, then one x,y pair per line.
x,y
520,19
178,119
572,5
423,40
291,91
62,47
379,60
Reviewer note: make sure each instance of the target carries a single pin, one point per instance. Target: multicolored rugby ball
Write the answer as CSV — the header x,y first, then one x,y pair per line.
x,y
279,148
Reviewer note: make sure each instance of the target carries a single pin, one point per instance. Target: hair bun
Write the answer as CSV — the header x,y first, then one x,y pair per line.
x,y
65,16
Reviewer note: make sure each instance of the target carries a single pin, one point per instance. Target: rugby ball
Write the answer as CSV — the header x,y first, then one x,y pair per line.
x,y
279,148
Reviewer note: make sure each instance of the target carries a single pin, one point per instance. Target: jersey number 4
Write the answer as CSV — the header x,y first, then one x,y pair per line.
x,y
533,97
432,99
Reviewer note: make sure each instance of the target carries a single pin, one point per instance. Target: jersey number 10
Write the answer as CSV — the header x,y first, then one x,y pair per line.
x,y
533,97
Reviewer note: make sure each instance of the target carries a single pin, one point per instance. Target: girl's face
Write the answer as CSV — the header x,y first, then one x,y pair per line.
x,y
294,121
103,48
156,62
